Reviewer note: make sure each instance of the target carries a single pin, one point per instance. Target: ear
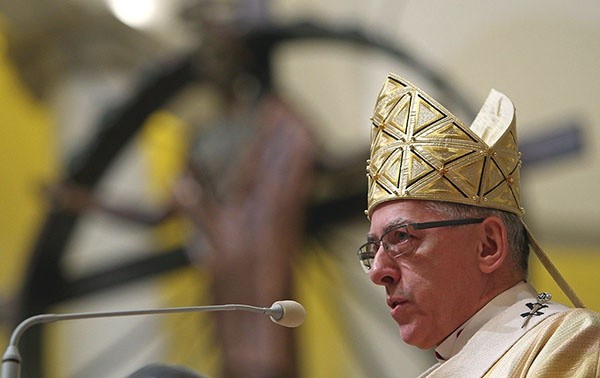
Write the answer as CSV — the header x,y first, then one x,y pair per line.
x,y
494,247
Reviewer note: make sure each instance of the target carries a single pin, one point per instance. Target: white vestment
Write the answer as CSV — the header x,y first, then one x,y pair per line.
x,y
501,341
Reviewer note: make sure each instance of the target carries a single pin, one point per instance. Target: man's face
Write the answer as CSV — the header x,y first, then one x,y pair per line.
x,y
437,286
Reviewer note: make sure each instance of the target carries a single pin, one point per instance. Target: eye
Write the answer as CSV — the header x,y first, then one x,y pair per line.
x,y
398,236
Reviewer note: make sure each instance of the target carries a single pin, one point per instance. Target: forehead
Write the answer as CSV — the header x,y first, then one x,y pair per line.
x,y
400,211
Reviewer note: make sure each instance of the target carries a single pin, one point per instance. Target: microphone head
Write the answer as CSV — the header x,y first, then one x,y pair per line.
x,y
288,313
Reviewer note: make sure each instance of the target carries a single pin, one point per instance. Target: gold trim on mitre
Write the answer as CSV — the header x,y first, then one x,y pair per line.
x,y
419,150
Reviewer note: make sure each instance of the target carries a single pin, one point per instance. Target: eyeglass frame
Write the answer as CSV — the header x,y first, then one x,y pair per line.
x,y
415,226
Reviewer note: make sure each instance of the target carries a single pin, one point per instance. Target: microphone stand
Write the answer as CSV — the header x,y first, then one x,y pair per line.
x,y
11,360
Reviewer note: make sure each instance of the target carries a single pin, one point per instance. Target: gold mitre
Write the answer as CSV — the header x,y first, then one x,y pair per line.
x,y
419,150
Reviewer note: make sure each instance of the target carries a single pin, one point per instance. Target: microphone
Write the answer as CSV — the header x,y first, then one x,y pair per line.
x,y
287,313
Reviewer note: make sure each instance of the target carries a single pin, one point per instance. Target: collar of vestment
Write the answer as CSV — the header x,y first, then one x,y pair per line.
x,y
476,345
457,340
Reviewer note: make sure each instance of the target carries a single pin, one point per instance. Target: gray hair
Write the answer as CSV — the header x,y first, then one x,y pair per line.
x,y
518,242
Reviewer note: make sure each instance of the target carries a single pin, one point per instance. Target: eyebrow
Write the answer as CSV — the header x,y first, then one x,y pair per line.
x,y
390,226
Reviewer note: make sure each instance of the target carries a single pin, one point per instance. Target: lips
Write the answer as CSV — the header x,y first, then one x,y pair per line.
x,y
398,308
395,302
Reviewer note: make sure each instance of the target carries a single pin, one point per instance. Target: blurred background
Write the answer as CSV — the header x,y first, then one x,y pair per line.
x,y
137,171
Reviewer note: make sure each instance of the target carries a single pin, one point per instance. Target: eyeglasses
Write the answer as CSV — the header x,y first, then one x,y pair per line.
x,y
398,241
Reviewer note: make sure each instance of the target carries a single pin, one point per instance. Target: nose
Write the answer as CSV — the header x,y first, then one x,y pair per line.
x,y
385,269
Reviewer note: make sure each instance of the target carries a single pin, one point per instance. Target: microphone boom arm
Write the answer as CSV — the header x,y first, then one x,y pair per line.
x,y
11,360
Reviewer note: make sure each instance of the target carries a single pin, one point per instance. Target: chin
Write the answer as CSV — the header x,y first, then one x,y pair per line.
x,y
410,337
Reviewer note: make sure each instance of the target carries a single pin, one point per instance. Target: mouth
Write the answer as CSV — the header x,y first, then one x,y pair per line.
x,y
394,303
398,309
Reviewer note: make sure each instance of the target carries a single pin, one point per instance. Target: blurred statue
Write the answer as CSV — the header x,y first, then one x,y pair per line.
x,y
246,200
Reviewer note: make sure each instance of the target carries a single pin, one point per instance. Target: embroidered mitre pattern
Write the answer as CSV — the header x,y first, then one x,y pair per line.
x,y
419,150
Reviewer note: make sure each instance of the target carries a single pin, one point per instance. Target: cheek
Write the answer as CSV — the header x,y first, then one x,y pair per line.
x,y
423,280
439,306
455,256
441,277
